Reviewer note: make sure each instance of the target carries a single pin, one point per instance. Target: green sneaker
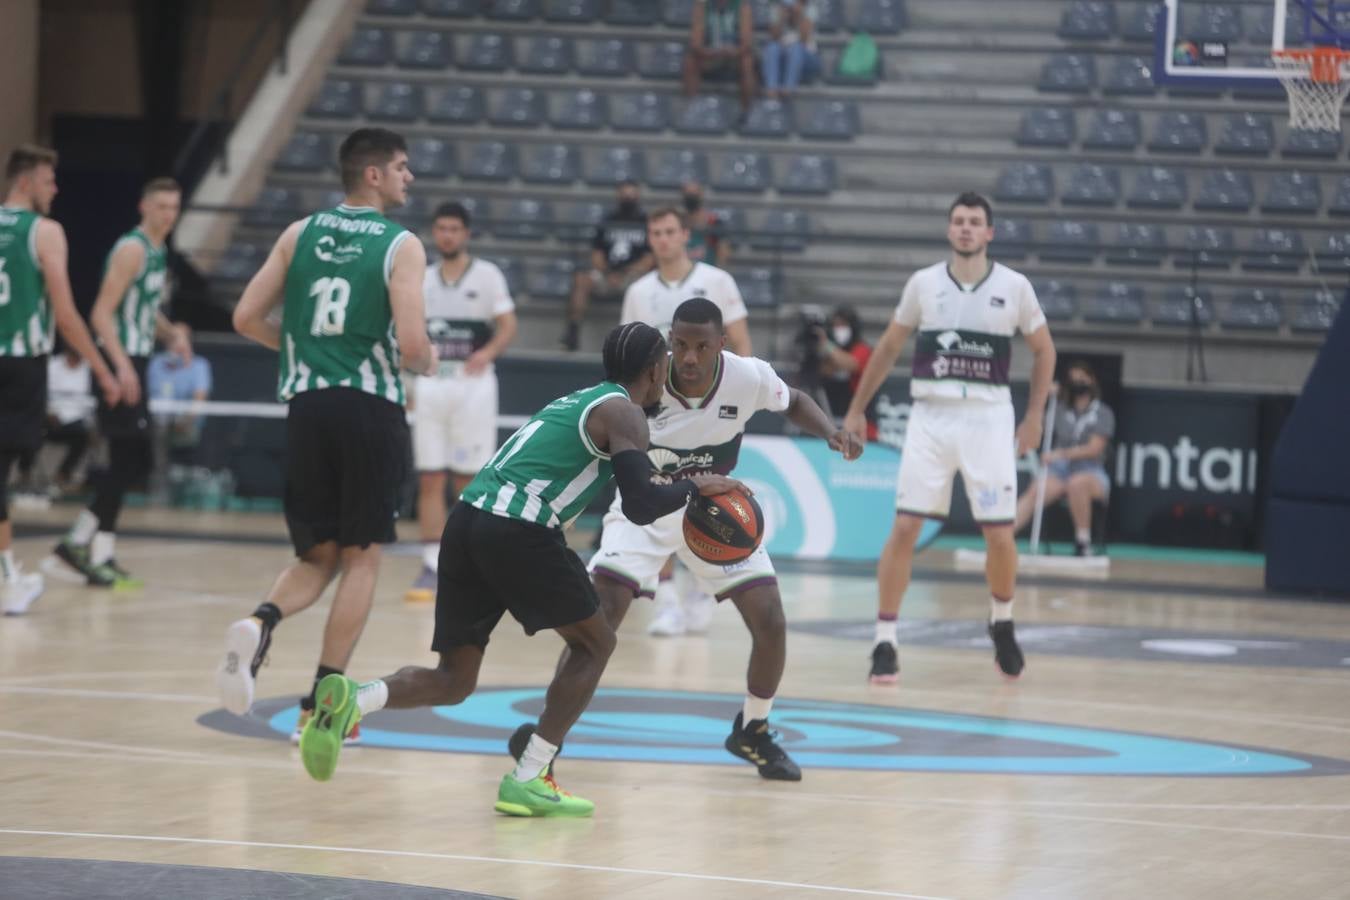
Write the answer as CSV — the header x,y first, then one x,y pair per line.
x,y
123,580
335,714
539,797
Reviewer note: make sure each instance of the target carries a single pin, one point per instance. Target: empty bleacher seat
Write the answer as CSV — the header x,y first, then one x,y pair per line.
x,y
1012,237
451,9
768,119
480,213
880,16
367,47
274,207
1179,132
829,15
1068,73
732,221
633,13
661,59
1025,183
678,13
1050,126
1070,241
608,58
1261,24
550,164
1293,193
240,262
414,213
831,120
757,288
1130,75
782,229
525,219
517,107
338,98
808,173
391,7
426,49
431,157
1218,22
462,105
1137,244
306,152
671,168
1207,247
643,111
550,279
1059,300
582,110
488,161
1257,309
1226,190
741,171
487,53
1307,144
1316,312
1334,253
577,221
1340,201
1088,20
547,55
1092,185
1117,303
1276,249
513,271
1157,187
396,101
575,12
706,114
1141,22
1181,306
511,10
1246,134
1113,129
612,165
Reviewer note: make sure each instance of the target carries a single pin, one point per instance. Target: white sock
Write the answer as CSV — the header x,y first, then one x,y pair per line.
x,y
82,532
372,696
886,632
102,548
431,552
9,569
666,594
538,754
1000,610
755,708
1083,536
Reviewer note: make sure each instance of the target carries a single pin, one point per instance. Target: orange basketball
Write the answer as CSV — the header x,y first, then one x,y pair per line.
x,y
723,529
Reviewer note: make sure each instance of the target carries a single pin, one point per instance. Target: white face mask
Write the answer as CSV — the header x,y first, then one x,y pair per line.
x,y
842,335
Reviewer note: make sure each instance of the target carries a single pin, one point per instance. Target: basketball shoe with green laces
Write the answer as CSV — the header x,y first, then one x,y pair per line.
x,y
335,715
539,796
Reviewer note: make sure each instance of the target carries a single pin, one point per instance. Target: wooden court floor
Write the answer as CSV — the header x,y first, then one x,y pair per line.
x,y
102,755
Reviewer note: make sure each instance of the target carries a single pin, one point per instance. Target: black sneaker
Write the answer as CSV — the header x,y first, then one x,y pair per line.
x,y
76,557
520,738
885,667
1080,549
1006,652
755,742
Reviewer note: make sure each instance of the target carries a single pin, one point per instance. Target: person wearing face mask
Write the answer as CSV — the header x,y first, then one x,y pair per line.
x,y
707,241
843,356
1075,467
619,256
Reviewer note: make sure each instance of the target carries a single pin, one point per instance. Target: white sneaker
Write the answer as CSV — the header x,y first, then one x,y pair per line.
x,y
18,594
698,609
669,618
245,648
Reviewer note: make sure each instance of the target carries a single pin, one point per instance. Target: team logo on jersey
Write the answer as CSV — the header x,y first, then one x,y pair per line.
x,y
948,339
326,249
998,302
727,412
699,292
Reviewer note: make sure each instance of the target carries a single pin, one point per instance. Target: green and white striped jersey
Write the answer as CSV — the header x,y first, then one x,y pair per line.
x,y
549,470
25,313
137,312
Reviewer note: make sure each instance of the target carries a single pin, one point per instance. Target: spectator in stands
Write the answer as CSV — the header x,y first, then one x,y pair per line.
x,y
707,240
790,56
843,355
619,256
721,39
174,376
1076,464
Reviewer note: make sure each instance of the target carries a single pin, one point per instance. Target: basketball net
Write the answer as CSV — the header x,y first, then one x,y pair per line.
x,y
1317,81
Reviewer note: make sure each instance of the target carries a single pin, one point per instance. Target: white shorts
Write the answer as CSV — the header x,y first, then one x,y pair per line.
x,y
455,423
634,554
945,436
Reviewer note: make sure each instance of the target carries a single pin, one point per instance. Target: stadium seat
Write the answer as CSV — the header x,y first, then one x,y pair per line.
x,y
1059,300
1157,187
1260,25
1137,244
1092,185
338,98
612,165
679,13
1069,73
480,212
1293,193
829,15
579,110
1088,20
1340,201
1301,143
414,214
1276,249
240,262
550,164
396,101
391,7
1180,306
1246,134
1115,303
1207,247
705,114
661,59
451,9
741,171
511,10
1025,183
546,55
782,229
1255,309
1225,190
367,47
512,271
807,173
525,219
643,111
1113,129
732,220
762,12
426,49
632,13
1316,312
1012,238
1333,255
671,168
1130,75
880,16
430,157
332,198
1049,126
1217,22
1141,23
306,152
487,53
609,58
830,120
462,105
577,221
1179,132
1069,241
768,119
517,107
488,161
757,288
274,207
550,279
573,12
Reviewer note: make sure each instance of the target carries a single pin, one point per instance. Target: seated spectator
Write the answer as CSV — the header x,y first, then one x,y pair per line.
x,y
172,376
1076,463
789,57
707,241
721,39
843,356
619,256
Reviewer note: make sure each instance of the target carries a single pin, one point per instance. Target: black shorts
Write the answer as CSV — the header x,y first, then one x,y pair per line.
x,y
23,402
123,420
490,565
347,456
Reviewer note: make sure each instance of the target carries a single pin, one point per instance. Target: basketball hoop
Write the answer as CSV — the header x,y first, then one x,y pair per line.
x,y
1317,80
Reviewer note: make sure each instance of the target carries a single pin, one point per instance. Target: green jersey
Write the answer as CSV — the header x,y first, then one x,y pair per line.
x,y
549,470
25,313
337,328
139,308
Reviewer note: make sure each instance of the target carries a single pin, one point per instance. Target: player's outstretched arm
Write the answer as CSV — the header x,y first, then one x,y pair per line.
x,y
52,255
1042,348
410,308
266,291
883,358
806,414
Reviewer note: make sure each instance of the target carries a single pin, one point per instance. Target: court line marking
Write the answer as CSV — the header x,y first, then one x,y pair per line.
x,y
456,857
108,695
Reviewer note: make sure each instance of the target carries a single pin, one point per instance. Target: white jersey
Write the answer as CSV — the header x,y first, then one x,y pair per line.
x,y
964,334
653,301
460,314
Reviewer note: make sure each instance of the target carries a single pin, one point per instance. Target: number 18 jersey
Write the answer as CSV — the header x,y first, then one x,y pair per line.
x,y
337,328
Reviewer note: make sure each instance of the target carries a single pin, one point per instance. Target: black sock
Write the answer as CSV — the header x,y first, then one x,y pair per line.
x,y
319,674
268,614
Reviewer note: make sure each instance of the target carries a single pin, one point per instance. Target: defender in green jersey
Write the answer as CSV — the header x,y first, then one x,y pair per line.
x,y
503,551
349,281
34,297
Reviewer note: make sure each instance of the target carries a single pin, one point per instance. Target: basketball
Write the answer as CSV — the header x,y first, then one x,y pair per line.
x,y
723,529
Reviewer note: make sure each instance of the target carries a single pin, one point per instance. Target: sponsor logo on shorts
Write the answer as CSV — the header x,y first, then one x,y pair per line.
x,y
986,497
